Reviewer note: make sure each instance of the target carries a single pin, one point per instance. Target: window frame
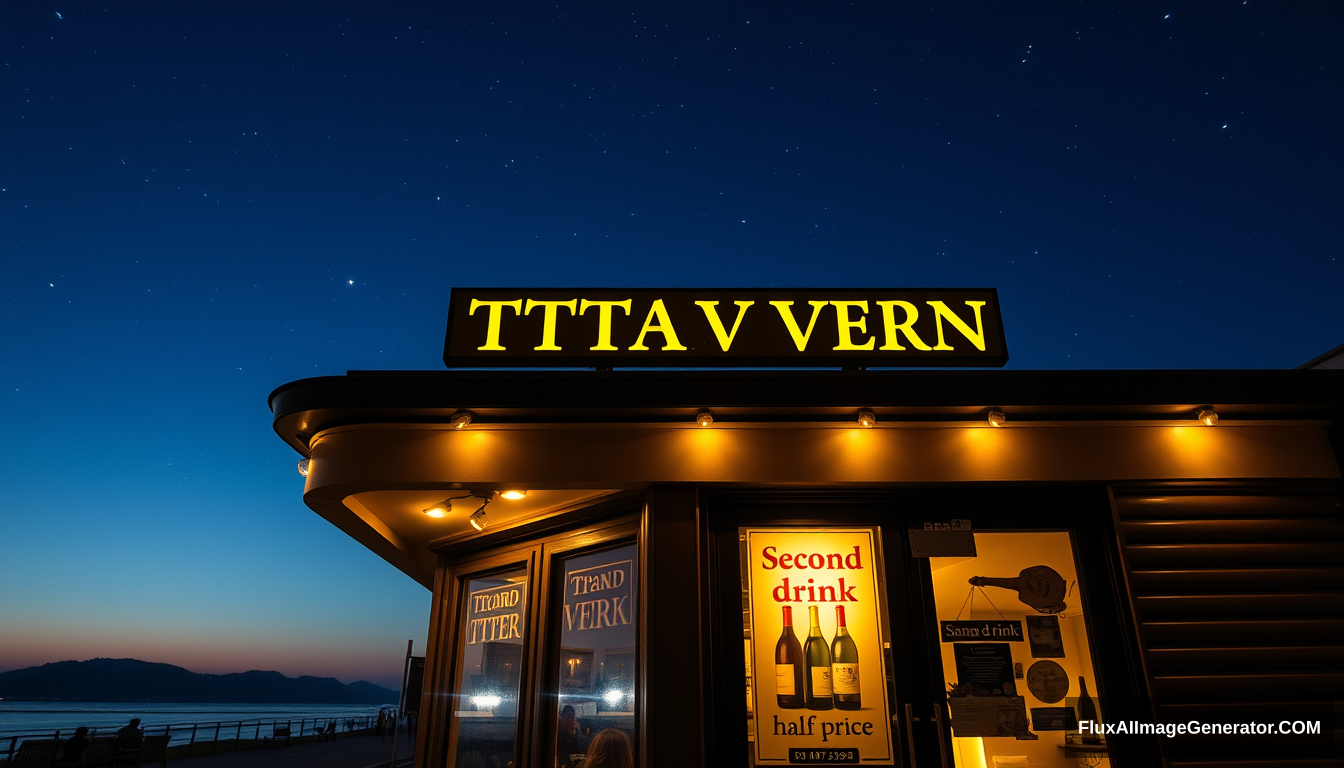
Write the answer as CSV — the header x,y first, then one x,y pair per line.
x,y
540,551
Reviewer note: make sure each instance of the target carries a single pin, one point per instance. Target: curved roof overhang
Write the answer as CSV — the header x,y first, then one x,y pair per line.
x,y
383,446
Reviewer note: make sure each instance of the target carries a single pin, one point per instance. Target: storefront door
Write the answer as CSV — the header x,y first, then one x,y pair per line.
x,y
977,627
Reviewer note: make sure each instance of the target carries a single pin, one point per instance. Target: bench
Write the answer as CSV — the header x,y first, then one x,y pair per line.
x,y
278,735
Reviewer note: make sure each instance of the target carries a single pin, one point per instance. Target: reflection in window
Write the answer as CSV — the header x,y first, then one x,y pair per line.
x,y
492,638
597,654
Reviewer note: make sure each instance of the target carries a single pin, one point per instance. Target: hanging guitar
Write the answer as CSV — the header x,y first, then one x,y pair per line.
x,y
1039,587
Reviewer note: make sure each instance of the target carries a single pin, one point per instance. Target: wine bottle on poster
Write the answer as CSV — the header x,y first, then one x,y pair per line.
x,y
789,666
844,665
818,655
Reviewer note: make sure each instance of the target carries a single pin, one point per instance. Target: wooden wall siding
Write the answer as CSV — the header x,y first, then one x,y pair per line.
x,y
1239,605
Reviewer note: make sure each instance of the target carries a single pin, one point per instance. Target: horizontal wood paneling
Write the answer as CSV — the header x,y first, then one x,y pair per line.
x,y
1235,530
1273,658
1239,606
1278,553
1300,578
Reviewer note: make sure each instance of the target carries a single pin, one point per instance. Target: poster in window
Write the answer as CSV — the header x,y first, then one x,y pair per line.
x,y
985,669
819,688
1046,641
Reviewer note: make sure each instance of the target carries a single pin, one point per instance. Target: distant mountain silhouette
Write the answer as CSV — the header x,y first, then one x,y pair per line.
x,y
135,680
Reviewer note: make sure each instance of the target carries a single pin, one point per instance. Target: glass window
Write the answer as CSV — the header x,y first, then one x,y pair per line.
x,y
1015,653
485,722
598,636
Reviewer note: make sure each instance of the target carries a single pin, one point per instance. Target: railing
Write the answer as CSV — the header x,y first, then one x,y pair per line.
x,y
233,734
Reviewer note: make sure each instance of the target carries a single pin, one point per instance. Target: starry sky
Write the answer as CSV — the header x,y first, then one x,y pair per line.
x,y
202,201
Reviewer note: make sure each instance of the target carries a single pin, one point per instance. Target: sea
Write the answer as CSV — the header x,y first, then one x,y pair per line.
x,y
31,718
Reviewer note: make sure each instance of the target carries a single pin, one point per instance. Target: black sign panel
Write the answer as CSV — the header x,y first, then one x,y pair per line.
x,y
1053,719
963,631
985,669
729,327
415,679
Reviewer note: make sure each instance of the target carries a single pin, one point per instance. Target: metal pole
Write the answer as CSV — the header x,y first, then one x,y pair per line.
x,y
401,705
214,745
192,743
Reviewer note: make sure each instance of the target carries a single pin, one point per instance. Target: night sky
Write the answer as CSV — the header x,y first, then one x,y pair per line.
x,y
201,202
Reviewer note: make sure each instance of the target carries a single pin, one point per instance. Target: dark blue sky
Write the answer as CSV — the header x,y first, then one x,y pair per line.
x,y
203,201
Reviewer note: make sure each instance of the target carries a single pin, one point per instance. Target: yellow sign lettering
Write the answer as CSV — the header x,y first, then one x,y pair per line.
x,y
659,312
548,312
800,339
492,323
846,325
976,337
893,329
604,321
712,315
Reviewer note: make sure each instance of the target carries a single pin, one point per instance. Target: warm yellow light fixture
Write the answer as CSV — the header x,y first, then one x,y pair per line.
x,y
513,495
478,519
439,510
703,417
866,417
997,418
460,419
1207,416
303,466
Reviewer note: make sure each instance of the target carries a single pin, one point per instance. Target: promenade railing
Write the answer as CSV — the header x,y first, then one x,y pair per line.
x,y
213,736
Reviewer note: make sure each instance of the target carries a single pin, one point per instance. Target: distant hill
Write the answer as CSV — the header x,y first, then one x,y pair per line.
x,y
135,680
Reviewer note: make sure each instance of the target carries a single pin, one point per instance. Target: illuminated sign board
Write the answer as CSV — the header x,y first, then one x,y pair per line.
x,y
731,327
818,679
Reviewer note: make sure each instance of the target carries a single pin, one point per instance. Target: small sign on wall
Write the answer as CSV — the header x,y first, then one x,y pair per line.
x,y
966,631
950,539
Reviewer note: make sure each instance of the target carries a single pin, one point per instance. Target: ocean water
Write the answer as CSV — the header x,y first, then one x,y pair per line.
x,y
46,717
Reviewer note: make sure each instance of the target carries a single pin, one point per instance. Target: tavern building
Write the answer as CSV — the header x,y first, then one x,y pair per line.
x,y
742,527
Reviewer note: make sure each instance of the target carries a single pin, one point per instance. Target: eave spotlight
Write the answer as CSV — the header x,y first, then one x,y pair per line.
x,y
513,495
866,417
478,519
997,418
460,419
440,509
1207,416
703,417
303,466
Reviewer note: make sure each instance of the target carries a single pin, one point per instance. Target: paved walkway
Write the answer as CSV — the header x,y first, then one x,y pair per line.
x,y
353,752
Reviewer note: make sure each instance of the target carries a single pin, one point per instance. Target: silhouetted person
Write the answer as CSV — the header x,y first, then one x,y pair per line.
x,y
73,748
568,740
381,727
130,736
610,749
